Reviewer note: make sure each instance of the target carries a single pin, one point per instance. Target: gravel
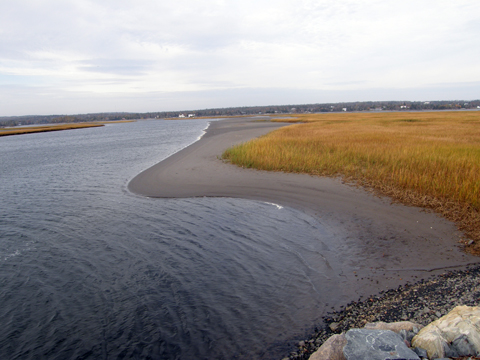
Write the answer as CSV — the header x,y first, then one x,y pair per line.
x,y
422,302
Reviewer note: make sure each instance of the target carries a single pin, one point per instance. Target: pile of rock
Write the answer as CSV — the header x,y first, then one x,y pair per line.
x,y
455,335
422,303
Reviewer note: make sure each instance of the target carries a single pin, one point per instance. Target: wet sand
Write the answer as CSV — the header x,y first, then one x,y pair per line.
x,y
380,245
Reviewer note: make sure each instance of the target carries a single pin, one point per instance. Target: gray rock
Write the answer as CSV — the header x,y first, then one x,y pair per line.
x,y
422,353
462,346
448,351
365,344
411,334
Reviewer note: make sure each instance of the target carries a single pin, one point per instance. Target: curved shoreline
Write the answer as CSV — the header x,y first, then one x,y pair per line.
x,y
382,245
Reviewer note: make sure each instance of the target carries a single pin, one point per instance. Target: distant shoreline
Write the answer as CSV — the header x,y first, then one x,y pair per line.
x,y
45,128
52,127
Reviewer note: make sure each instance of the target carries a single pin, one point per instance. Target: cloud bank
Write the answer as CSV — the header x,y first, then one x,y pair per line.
x,y
78,56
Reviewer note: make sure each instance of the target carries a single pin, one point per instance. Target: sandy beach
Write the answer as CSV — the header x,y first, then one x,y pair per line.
x,y
383,245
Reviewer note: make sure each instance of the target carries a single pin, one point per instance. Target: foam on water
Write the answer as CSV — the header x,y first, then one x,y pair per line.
x,y
279,207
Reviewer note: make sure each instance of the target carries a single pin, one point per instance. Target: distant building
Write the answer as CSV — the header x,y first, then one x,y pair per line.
x,y
181,116
191,115
344,109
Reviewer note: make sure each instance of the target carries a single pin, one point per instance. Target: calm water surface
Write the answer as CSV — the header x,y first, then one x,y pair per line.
x,y
90,271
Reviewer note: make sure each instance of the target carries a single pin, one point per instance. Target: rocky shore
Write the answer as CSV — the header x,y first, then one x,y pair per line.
x,y
422,303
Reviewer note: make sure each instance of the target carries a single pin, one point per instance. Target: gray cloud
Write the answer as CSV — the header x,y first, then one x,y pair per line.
x,y
123,50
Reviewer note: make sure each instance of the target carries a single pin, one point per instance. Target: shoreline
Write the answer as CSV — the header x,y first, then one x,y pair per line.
x,y
41,128
46,128
383,245
421,303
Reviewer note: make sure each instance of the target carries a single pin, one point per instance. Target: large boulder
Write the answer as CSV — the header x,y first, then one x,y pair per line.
x,y
453,335
406,329
365,344
332,349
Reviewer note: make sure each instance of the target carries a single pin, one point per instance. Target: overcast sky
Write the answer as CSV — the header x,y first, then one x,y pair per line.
x,y
80,56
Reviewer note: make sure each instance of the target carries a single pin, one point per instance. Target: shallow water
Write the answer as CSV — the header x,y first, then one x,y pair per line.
x,y
91,271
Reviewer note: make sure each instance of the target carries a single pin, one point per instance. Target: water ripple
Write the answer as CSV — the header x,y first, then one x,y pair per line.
x,y
90,271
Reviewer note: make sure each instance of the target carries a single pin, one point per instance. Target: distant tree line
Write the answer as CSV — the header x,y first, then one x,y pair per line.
x,y
252,110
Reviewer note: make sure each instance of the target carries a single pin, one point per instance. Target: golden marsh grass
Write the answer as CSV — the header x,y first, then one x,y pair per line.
x,y
429,159
45,128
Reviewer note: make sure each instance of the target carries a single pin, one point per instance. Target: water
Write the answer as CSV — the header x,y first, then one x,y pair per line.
x,y
91,271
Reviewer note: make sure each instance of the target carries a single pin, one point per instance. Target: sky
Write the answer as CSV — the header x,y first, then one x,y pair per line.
x,y
86,56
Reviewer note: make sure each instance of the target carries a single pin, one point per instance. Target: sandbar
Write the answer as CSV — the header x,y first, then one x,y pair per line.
x,y
382,244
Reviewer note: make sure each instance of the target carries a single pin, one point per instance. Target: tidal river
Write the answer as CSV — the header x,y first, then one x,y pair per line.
x,y
91,271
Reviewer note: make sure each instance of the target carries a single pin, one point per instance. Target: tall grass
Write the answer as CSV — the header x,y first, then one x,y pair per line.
x,y
45,128
424,159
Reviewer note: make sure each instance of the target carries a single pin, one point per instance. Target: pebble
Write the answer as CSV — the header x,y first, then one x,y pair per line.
x,y
442,293
333,326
